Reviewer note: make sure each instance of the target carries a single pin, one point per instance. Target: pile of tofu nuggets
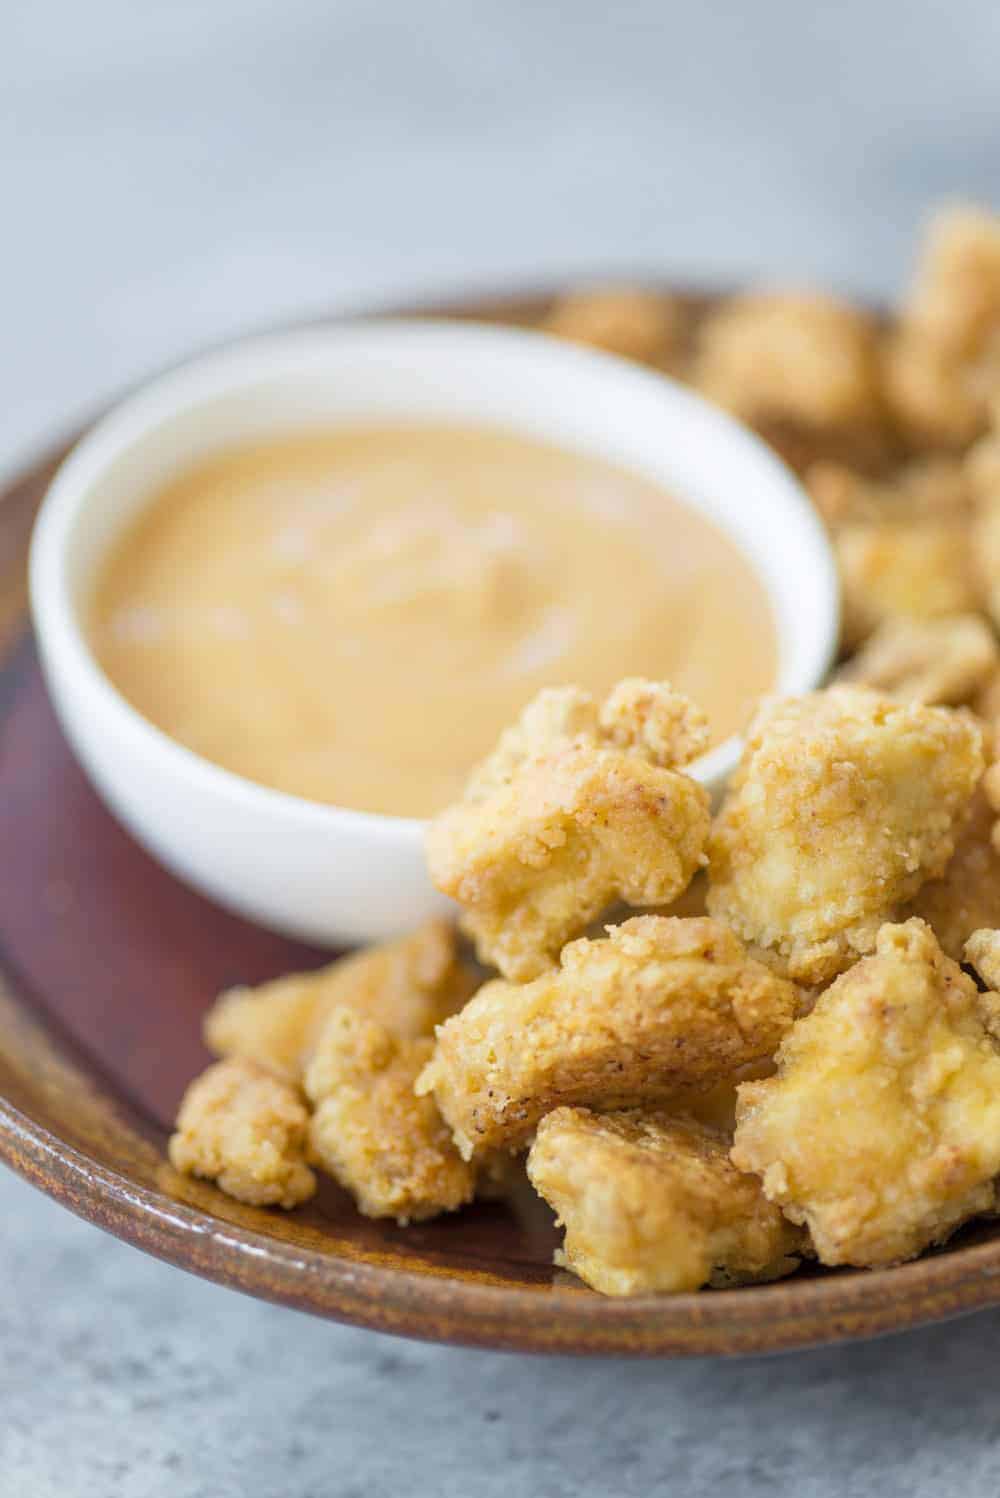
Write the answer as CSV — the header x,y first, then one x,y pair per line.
x,y
793,1052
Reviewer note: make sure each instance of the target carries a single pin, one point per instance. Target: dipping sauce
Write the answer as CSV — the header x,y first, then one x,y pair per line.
x,y
354,616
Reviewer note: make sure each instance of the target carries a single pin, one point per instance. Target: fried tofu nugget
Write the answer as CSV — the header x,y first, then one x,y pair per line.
x,y
630,321
982,951
901,568
881,1130
408,986
954,301
935,398
557,826
389,1148
943,363
844,804
652,1203
797,357
903,542
967,896
932,488
945,661
244,1128
660,1004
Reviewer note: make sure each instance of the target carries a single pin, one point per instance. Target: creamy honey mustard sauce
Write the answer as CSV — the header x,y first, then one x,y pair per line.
x,y
354,616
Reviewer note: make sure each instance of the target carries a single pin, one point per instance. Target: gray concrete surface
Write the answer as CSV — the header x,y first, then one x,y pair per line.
x,y
173,173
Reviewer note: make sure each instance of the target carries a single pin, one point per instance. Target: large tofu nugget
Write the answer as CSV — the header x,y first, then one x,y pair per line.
x,y
659,1005
881,1130
652,1203
845,803
574,811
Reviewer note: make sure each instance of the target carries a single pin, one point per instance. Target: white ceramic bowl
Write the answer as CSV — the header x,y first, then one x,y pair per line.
x,y
318,872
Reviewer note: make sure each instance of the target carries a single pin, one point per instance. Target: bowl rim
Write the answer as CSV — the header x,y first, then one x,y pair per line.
x,y
237,363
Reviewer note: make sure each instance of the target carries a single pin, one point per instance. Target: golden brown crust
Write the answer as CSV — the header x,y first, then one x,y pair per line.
x,y
386,1146
244,1128
946,661
982,951
660,1005
943,363
536,861
954,301
845,803
408,986
914,569
799,357
648,718
630,321
651,1203
881,1131
967,896
935,487
934,398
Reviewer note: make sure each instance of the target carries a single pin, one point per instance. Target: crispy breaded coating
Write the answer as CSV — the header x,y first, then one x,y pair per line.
x,y
903,542
844,804
408,986
916,569
571,833
934,398
798,357
936,487
945,661
967,896
655,721
661,1004
387,1147
943,364
982,467
982,951
649,717
244,1128
630,321
954,301
651,1203
881,1131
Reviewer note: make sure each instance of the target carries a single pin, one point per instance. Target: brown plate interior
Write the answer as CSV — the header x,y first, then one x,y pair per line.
x,y
107,965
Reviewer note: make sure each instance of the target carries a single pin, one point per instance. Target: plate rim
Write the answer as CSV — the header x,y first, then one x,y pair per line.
x,y
425,1303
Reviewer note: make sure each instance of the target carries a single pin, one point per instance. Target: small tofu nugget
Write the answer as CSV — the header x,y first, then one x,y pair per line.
x,y
659,1005
652,1203
556,827
384,1144
954,301
943,363
799,357
630,321
844,804
903,542
902,568
245,1128
408,986
881,1130
935,661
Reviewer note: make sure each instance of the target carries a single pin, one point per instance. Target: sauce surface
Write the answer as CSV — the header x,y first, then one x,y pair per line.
x,y
353,616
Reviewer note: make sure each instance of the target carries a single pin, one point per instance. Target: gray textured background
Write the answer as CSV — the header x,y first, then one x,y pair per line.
x,y
173,173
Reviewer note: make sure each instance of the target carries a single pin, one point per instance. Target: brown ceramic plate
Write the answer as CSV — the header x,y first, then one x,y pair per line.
x,y
107,965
